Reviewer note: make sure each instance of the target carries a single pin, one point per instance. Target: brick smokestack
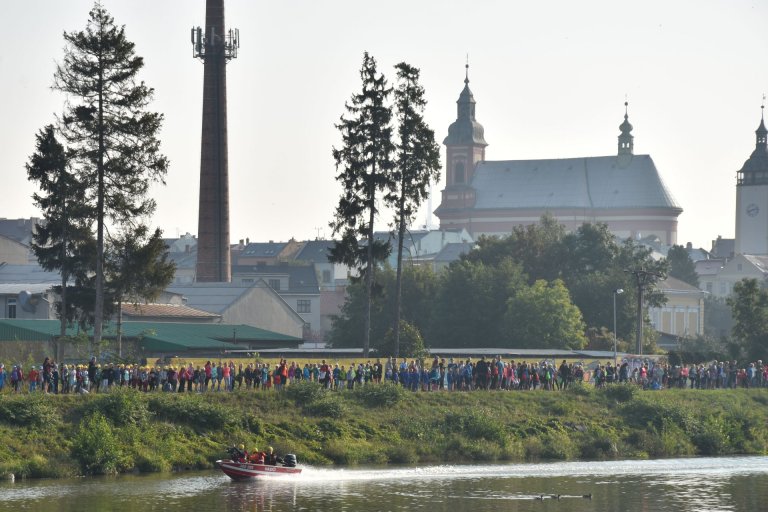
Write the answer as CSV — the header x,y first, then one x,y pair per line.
x,y
213,259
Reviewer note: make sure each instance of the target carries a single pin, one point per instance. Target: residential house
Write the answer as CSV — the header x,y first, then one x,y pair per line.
x,y
13,252
683,314
742,266
296,284
26,291
250,303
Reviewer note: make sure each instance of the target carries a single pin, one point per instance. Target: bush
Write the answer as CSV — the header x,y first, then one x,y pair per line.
x,y
330,406
385,394
305,392
96,448
477,424
28,411
192,410
122,406
621,392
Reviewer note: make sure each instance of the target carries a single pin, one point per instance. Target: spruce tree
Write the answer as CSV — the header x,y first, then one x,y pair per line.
x,y
113,138
364,165
417,163
63,241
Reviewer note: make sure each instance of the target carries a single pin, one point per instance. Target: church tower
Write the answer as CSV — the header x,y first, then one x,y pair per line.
x,y
464,148
626,141
752,197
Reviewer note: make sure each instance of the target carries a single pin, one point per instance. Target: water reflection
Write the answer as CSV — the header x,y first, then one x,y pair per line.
x,y
712,484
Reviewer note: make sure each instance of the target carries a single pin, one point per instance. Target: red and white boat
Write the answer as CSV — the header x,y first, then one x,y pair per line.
x,y
241,470
245,470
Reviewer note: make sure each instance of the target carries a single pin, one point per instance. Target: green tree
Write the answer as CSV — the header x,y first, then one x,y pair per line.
x,y
409,342
137,269
62,242
537,247
543,316
420,286
471,303
681,266
417,164
106,125
364,165
749,304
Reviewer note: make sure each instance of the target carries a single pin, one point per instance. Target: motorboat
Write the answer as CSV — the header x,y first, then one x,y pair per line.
x,y
238,469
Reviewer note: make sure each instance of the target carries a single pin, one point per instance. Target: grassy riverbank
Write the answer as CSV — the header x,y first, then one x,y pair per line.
x,y
66,435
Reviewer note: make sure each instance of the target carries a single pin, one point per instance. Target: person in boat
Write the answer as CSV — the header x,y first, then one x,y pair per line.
x,y
257,457
242,455
271,458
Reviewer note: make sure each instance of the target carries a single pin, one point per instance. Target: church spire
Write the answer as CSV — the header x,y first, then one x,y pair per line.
x,y
626,139
465,130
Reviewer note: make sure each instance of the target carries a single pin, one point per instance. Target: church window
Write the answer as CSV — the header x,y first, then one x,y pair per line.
x,y
458,172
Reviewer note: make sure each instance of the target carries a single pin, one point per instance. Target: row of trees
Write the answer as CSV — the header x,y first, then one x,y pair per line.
x,y
537,287
375,166
93,168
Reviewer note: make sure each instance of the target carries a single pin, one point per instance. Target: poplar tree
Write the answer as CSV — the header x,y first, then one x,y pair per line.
x,y
63,241
113,138
364,168
417,163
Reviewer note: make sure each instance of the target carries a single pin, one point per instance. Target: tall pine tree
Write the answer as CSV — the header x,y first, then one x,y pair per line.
x,y
113,138
63,241
417,163
364,165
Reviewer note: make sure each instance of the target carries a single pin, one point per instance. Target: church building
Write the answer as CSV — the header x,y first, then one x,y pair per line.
x,y
487,197
752,198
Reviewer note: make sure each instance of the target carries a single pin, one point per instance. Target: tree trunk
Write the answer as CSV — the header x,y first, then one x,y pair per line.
x,y
98,310
399,278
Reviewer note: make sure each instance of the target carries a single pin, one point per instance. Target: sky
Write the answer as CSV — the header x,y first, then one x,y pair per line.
x,y
550,79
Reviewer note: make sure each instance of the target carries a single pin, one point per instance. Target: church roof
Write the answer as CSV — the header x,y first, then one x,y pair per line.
x,y
590,182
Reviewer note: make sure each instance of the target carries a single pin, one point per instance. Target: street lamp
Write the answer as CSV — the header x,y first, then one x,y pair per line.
x,y
616,292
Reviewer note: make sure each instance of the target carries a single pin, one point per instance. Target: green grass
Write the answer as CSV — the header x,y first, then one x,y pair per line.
x,y
59,436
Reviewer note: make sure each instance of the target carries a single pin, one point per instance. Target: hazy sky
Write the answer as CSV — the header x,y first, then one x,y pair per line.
x,y
549,77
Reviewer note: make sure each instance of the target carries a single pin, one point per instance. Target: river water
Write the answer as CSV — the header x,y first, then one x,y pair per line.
x,y
696,484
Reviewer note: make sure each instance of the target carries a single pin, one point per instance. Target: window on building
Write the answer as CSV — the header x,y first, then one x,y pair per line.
x,y
303,306
709,287
247,281
274,284
458,172
326,276
11,308
722,288
738,267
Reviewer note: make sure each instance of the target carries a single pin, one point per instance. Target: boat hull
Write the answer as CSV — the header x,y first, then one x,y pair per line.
x,y
246,471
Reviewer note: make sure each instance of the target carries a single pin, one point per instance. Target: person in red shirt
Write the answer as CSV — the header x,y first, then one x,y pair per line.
x,y
33,376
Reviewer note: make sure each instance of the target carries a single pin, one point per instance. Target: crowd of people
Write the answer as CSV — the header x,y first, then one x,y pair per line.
x,y
414,375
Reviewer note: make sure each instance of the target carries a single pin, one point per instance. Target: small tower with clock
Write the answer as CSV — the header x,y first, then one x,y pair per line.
x,y
752,197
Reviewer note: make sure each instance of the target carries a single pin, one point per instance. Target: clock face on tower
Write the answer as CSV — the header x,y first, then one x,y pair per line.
x,y
752,209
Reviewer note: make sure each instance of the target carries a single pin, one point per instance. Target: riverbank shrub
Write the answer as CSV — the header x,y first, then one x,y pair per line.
x,y
96,448
192,410
305,392
122,406
381,395
328,406
28,410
